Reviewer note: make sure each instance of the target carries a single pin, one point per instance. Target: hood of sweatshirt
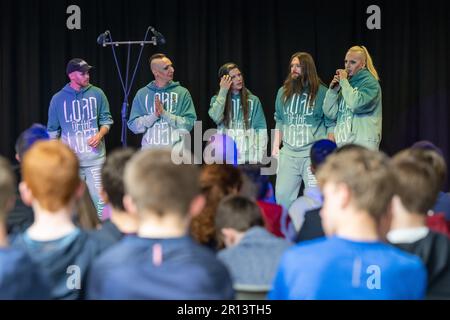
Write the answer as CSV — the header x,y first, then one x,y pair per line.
x,y
69,91
172,84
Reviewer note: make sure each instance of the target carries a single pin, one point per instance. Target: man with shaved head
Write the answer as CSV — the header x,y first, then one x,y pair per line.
x,y
163,109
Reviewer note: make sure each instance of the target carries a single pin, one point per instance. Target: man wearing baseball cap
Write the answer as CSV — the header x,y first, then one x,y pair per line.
x,y
79,114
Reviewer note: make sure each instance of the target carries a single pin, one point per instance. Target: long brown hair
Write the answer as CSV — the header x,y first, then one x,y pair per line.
x,y
87,217
216,182
308,77
244,93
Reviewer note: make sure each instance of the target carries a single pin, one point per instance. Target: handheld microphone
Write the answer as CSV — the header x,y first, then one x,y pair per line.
x,y
333,85
103,37
159,37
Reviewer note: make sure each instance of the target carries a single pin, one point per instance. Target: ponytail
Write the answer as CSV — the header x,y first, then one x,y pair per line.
x,y
369,62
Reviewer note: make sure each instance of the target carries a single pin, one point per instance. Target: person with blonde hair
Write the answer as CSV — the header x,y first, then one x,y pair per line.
x,y
354,101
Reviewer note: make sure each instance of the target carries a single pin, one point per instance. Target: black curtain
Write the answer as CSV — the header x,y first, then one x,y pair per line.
x,y
410,52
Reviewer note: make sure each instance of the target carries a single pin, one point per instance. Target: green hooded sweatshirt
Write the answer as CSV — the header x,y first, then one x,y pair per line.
x,y
178,117
251,142
357,110
301,124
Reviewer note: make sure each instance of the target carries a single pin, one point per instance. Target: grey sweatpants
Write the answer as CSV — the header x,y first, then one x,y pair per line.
x,y
291,172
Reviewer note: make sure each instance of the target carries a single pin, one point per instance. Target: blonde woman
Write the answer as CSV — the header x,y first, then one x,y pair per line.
x,y
354,101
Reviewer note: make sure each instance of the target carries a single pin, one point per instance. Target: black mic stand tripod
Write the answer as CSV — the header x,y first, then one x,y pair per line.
x,y
105,39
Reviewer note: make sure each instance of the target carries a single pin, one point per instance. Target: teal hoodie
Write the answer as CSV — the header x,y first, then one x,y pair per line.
x,y
357,109
178,117
251,143
301,124
76,116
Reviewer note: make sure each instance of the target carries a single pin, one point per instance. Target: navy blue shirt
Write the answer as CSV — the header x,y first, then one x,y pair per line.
x,y
64,261
141,268
336,268
20,278
442,205
108,234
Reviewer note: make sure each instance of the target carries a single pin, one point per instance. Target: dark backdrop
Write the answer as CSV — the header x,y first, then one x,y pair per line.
x,y
410,53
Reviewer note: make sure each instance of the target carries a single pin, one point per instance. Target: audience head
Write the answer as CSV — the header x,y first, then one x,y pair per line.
x,y
320,151
216,182
255,185
26,139
7,187
113,177
358,180
235,215
417,179
50,175
155,186
436,160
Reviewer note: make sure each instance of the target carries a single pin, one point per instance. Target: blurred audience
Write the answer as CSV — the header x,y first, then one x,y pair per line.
x,y
162,261
418,187
216,182
252,253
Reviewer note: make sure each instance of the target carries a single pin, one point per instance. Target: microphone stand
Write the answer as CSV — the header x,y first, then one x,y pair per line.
x,y
106,40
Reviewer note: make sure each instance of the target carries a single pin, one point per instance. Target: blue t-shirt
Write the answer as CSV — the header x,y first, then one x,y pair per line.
x,y
336,268
141,268
20,278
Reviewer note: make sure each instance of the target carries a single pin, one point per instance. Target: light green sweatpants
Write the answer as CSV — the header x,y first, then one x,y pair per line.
x,y
290,174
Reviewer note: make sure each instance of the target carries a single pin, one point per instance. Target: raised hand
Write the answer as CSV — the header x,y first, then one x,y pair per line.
x,y
225,82
343,74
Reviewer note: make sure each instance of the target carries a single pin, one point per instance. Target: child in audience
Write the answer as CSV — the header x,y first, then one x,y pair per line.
x,y
162,261
20,278
252,253
52,186
120,223
351,262
216,182
21,216
418,187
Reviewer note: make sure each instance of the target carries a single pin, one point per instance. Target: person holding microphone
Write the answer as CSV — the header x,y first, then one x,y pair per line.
x,y
354,101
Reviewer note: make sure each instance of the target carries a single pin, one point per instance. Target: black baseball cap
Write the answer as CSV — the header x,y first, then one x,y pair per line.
x,y
77,64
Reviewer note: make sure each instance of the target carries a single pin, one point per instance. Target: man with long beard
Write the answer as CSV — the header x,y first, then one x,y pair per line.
x,y
300,122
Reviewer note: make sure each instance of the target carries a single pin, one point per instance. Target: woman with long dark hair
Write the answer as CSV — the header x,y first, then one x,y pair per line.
x,y
239,114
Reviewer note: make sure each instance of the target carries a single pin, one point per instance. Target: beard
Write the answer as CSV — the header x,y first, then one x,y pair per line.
x,y
298,82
